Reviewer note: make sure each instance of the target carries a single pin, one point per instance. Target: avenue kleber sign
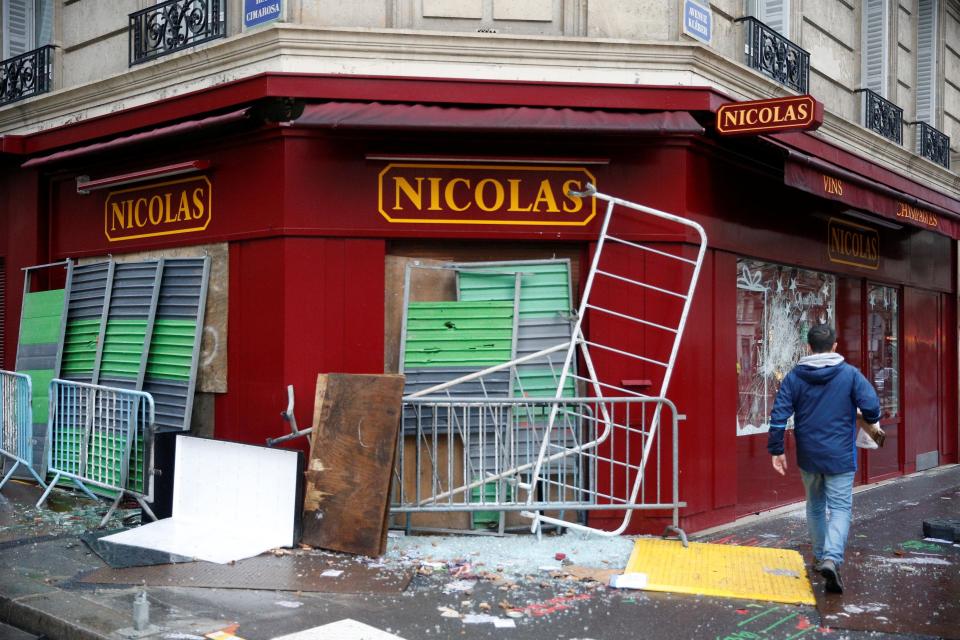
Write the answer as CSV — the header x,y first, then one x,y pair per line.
x,y
797,113
178,206
484,194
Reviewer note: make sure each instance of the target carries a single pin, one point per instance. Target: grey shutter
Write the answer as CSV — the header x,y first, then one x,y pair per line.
x,y
88,287
876,26
44,23
927,62
174,349
773,13
18,27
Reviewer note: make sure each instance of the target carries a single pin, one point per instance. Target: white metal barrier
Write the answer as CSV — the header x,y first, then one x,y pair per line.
x,y
633,468
16,418
672,322
97,434
665,282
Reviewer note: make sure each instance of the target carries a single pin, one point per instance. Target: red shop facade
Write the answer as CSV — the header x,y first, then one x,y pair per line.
x,y
310,189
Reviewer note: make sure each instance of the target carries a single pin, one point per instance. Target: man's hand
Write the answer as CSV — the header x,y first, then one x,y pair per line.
x,y
780,464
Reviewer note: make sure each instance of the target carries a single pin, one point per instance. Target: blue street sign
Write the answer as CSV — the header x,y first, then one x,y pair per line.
x,y
697,21
259,11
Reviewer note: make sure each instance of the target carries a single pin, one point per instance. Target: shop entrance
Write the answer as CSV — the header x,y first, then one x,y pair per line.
x,y
869,321
925,351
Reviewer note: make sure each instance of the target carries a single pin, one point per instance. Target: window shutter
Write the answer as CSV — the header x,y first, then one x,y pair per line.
x,y
876,25
44,22
18,27
773,13
927,62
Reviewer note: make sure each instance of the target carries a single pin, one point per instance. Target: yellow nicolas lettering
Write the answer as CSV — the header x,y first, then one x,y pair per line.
x,y
410,194
173,207
853,244
762,115
478,194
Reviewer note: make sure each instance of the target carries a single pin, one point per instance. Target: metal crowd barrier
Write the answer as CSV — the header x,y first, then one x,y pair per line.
x,y
96,435
479,454
16,419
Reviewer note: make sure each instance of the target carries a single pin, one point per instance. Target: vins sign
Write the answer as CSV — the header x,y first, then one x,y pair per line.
x,y
180,206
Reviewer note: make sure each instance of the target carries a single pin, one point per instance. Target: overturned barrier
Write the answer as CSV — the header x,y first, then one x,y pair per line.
x,y
16,419
475,454
97,436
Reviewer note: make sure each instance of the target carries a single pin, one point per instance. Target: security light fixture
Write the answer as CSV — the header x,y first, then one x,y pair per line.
x,y
85,185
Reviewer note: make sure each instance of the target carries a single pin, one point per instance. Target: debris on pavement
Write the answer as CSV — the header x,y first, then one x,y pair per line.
x,y
629,581
482,618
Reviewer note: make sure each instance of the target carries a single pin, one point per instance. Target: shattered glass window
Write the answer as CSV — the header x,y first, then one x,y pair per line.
x,y
883,347
776,305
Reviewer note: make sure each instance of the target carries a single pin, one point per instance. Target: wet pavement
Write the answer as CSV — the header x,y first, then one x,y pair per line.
x,y
898,584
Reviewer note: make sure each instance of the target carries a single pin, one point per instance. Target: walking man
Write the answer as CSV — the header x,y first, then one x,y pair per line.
x,y
823,394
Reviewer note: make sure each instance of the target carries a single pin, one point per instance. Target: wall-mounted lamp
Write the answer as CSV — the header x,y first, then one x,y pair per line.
x,y
85,185
874,220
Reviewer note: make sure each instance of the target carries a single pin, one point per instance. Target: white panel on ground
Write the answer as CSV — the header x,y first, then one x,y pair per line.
x,y
345,629
230,501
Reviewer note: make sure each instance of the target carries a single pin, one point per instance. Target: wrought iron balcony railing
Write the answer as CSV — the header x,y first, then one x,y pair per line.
x,y
26,75
882,116
173,26
775,56
933,144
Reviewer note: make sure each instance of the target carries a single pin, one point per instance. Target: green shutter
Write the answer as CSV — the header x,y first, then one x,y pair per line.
x,y
171,349
122,348
80,346
443,334
544,286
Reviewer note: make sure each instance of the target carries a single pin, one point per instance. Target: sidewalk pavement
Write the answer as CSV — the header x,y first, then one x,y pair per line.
x,y
898,585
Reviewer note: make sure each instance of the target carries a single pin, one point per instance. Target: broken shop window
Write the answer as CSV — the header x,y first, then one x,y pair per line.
x,y
776,305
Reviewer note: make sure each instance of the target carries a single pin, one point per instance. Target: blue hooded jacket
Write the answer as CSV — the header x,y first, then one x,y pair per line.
x,y
823,393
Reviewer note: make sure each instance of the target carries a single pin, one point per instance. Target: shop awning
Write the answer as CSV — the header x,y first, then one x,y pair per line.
x,y
189,126
423,117
886,196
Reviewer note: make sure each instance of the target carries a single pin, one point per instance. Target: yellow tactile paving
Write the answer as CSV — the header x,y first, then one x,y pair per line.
x,y
756,573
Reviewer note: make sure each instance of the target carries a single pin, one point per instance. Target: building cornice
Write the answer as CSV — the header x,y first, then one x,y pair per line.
x,y
296,49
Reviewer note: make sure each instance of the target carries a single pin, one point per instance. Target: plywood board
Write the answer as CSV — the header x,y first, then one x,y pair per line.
x,y
449,460
355,429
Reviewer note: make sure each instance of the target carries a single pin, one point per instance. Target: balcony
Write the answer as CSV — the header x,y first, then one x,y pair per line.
x,y
776,57
174,26
26,75
882,116
933,144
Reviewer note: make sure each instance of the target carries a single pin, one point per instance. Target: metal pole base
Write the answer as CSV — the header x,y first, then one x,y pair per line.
x,y
680,534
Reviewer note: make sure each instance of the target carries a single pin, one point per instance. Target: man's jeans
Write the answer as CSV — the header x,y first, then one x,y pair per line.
x,y
833,492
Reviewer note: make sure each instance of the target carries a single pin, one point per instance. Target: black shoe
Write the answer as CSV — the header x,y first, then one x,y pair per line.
x,y
830,573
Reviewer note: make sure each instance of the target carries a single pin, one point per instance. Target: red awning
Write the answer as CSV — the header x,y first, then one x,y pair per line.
x,y
144,136
380,116
880,194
